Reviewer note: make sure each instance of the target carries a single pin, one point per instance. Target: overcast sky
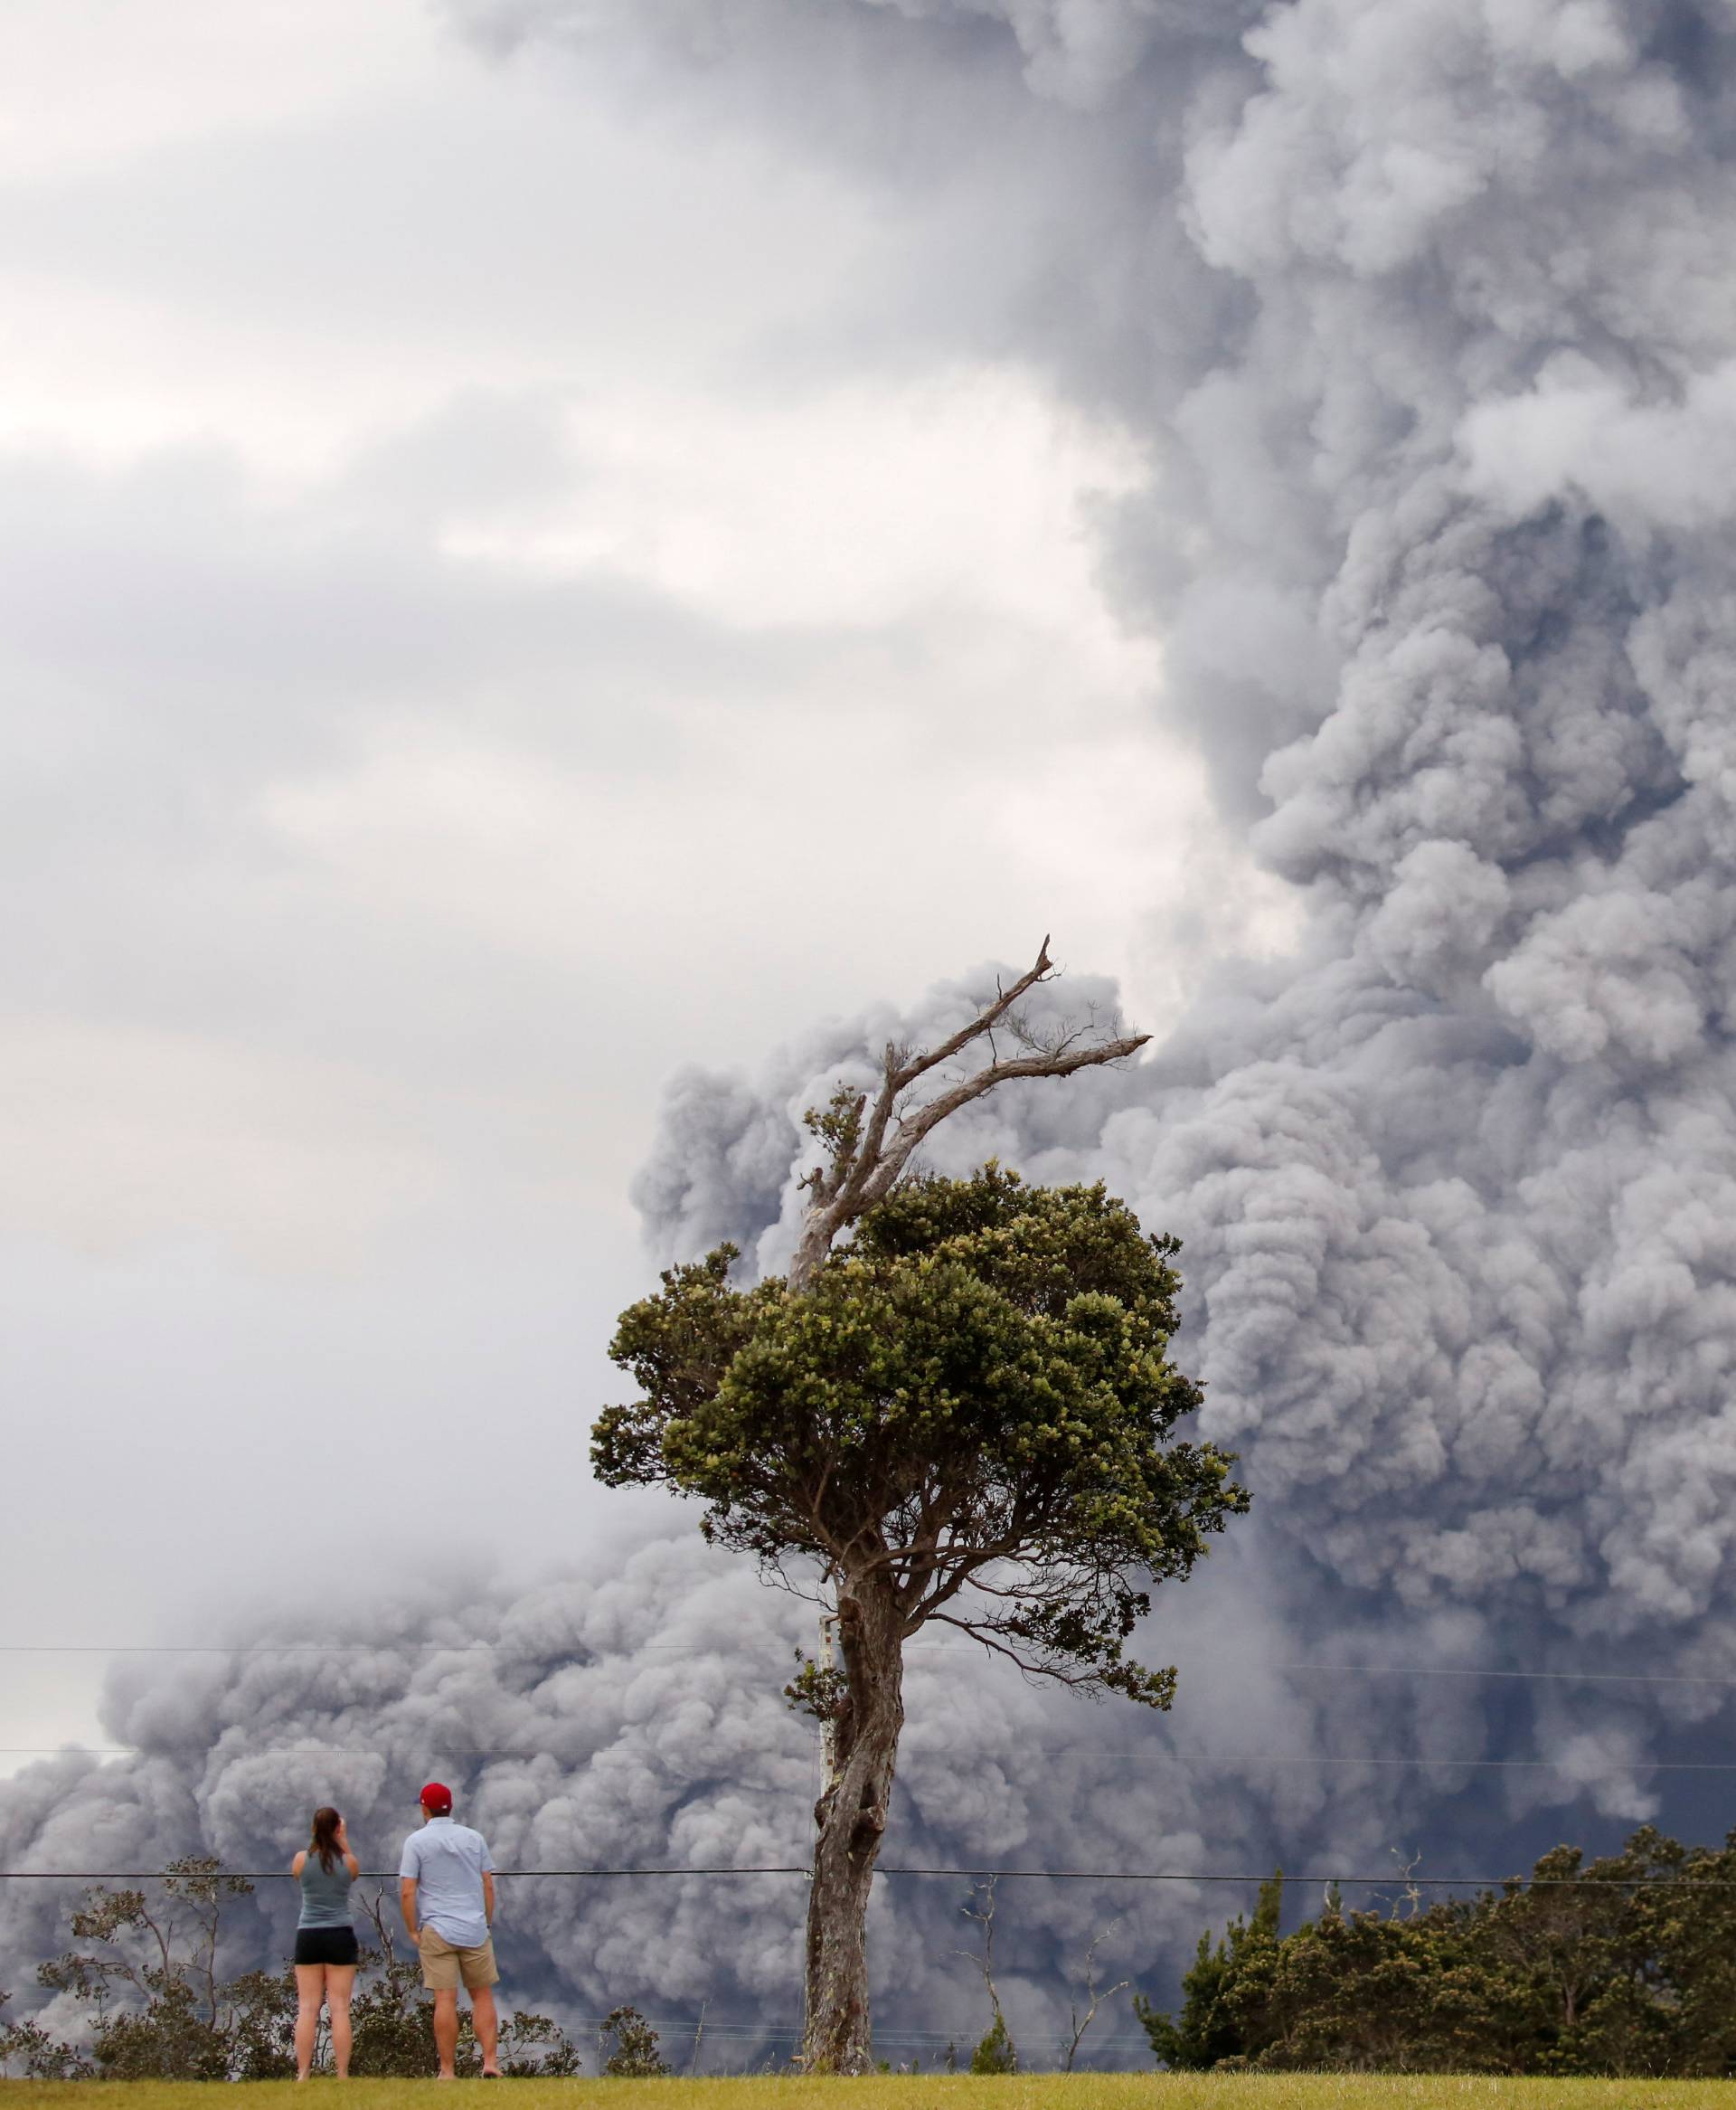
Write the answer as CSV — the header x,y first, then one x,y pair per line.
x,y
506,588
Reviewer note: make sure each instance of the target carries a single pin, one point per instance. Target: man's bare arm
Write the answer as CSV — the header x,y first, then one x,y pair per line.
x,y
407,1898
488,1896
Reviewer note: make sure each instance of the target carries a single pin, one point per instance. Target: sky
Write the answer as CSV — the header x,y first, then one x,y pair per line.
x,y
509,590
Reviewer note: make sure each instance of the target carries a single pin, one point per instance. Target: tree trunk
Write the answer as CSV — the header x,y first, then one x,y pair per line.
x,y
850,1820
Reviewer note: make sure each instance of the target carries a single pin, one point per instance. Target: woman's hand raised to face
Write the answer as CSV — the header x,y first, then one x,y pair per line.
x,y
342,1835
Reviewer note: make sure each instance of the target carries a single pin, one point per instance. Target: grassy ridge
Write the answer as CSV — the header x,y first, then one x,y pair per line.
x,y
1149,2091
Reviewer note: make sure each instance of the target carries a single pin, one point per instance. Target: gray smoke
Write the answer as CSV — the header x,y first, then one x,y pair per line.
x,y
1436,540
1421,312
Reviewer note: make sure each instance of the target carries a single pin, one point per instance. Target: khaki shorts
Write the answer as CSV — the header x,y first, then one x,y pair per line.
x,y
443,1965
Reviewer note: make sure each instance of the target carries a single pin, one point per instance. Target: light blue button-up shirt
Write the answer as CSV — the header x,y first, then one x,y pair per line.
x,y
446,1862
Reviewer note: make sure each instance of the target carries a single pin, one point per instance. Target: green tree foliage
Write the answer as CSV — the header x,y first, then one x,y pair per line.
x,y
1626,1966
995,2054
628,2048
1208,2031
978,1380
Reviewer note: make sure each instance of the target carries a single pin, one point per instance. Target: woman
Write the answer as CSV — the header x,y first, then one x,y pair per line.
x,y
326,1946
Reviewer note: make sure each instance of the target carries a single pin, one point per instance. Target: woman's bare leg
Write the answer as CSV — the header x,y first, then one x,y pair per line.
x,y
340,1978
310,1990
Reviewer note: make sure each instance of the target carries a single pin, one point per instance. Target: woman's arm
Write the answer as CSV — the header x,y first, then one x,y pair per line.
x,y
353,1865
299,1862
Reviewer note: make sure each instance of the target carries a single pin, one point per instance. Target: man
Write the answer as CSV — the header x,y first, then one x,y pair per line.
x,y
447,1888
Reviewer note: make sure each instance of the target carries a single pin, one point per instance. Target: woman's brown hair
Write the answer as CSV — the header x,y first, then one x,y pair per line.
x,y
325,1840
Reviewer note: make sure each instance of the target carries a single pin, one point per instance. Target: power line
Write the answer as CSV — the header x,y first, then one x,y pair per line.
x,y
1484,1765
1153,1752
367,1875
579,1650
431,1750
1434,1670
1390,1880
534,1655
397,1645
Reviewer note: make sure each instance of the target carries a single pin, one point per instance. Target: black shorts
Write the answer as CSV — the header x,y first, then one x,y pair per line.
x,y
325,1945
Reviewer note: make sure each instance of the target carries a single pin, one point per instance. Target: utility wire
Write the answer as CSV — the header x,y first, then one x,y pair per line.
x,y
708,1647
433,1750
406,1647
1391,1879
1174,1758
1432,1670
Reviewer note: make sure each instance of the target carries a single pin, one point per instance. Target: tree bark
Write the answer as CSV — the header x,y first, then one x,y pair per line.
x,y
871,1152
850,1821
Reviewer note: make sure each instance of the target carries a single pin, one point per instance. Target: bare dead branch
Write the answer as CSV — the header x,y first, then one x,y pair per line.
x,y
869,1157
1077,2022
980,1907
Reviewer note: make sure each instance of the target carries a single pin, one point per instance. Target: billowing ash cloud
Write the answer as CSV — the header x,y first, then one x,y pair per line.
x,y
1436,537
1431,339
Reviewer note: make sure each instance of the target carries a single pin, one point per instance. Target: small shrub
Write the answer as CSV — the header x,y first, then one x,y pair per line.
x,y
627,2046
995,2054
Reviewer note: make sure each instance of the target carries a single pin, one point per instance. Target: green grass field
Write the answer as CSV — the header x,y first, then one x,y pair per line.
x,y
913,2092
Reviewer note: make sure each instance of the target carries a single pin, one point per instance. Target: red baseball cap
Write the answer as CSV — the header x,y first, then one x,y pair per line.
x,y
437,1799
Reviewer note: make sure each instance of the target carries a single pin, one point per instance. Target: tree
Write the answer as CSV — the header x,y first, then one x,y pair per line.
x,y
996,2053
962,1413
1210,2030
28,2053
1625,1966
1368,1992
535,2047
628,2048
1080,2021
150,1977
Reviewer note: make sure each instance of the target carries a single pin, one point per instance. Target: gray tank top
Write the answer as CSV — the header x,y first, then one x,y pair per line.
x,y
324,1894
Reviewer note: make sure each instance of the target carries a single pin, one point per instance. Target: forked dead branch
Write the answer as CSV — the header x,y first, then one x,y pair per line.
x,y
869,1148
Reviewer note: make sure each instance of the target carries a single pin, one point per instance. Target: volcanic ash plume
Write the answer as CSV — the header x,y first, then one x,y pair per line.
x,y
1436,539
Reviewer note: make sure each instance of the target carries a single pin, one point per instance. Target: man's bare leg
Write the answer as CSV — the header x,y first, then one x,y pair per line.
x,y
486,2022
446,2030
